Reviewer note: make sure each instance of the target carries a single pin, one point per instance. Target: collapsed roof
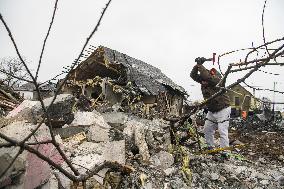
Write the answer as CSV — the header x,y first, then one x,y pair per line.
x,y
105,62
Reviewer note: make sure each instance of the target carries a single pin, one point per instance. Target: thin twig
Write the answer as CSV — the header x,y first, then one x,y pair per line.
x,y
38,154
44,42
45,110
16,77
8,145
262,23
40,98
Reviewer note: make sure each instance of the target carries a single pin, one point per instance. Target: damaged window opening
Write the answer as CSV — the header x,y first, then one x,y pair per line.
x,y
237,101
97,90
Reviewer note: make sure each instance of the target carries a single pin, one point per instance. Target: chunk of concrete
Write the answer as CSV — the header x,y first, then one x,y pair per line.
x,y
88,118
28,171
136,131
214,176
170,171
14,174
51,183
163,160
98,133
90,154
35,171
69,131
115,119
19,130
98,129
60,112
25,111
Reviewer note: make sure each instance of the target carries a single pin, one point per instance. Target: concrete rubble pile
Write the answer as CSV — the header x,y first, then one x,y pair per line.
x,y
209,172
89,138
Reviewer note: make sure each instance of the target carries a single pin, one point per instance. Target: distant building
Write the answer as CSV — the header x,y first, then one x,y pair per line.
x,y
28,90
108,75
241,100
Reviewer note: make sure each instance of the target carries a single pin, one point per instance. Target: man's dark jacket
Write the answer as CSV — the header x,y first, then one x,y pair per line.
x,y
208,87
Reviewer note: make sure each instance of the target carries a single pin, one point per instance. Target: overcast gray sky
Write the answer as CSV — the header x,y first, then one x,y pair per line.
x,y
165,33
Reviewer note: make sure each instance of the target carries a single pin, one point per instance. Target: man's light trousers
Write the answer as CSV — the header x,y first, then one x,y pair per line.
x,y
217,120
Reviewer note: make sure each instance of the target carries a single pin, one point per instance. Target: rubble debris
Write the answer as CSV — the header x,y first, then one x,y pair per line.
x,y
27,110
18,130
136,130
98,130
38,171
88,119
13,175
84,104
28,171
268,145
163,160
68,132
142,145
60,112
98,133
115,119
208,172
9,99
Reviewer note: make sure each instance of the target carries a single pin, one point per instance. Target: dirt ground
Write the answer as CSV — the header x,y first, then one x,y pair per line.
x,y
261,144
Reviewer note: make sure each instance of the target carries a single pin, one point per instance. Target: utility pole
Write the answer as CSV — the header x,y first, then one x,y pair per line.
x,y
254,101
273,105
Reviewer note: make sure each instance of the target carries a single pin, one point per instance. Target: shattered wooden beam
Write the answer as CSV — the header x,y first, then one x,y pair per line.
x,y
7,94
6,105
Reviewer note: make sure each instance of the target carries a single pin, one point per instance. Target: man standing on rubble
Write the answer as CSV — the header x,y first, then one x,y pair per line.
x,y
219,109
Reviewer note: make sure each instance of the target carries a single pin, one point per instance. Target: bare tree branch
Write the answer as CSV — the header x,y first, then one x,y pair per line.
x,y
22,143
262,23
38,154
44,42
13,71
74,174
40,99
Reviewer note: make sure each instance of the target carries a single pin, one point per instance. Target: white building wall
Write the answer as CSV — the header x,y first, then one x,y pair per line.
x,y
28,95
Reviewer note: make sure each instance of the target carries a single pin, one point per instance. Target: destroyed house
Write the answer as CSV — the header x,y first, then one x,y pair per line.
x,y
108,75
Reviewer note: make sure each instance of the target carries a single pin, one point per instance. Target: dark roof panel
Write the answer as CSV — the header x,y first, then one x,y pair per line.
x,y
148,78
